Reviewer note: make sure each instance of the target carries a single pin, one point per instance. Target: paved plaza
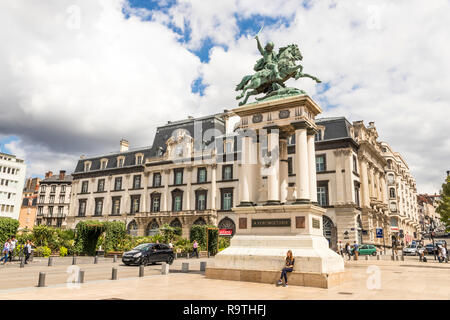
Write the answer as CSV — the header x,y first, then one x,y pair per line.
x,y
373,279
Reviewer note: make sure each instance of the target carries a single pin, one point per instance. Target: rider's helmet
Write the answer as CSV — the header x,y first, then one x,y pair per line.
x,y
269,46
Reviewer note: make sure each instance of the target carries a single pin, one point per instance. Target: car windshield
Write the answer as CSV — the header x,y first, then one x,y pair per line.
x,y
143,246
412,246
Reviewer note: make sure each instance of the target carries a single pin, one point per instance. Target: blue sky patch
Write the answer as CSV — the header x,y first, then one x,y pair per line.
x,y
5,141
198,86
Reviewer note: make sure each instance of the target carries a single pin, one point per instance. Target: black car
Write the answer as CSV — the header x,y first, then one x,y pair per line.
x,y
430,249
147,253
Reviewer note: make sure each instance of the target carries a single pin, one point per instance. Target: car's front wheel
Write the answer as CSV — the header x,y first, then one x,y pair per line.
x,y
374,253
170,260
144,261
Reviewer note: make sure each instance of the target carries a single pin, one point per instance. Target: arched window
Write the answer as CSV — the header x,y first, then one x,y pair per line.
x,y
175,223
227,224
152,228
200,221
132,228
327,228
392,193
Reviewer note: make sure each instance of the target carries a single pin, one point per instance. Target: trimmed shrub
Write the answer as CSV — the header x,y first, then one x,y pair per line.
x,y
202,234
43,251
88,233
115,234
63,252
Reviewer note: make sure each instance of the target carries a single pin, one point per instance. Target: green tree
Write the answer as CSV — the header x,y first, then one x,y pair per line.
x,y
8,228
444,205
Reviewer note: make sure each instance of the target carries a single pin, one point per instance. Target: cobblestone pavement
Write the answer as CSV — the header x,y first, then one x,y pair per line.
x,y
373,279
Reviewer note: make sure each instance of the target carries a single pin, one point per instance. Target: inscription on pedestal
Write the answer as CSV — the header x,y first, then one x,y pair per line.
x,y
315,223
271,223
242,223
300,222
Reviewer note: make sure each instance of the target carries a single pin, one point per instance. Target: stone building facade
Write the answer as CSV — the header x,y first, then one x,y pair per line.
x,y
54,199
28,210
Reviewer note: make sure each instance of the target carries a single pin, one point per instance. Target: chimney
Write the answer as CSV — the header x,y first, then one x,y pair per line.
x,y
124,144
82,156
371,124
48,174
62,174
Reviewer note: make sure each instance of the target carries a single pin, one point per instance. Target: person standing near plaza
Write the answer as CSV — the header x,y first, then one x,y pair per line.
x,y
195,247
340,250
356,250
289,266
348,249
27,250
5,251
12,247
170,245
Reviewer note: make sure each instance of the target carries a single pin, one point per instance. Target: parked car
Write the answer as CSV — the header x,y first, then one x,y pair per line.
x,y
367,249
430,249
413,250
147,253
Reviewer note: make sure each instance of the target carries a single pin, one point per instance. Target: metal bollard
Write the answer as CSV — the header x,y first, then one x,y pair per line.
x,y
81,276
396,258
185,267
367,257
403,258
202,265
50,261
141,271
354,257
95,260
74,260
114,274
378,257
187,255
164,268
176,255
41,282
392,258
22,262
115,258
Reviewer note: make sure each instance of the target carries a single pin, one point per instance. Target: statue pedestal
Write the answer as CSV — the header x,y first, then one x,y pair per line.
x,y
265,234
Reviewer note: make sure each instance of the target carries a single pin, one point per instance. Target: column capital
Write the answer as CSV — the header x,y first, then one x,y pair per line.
x,y
300,125
312,131
272,128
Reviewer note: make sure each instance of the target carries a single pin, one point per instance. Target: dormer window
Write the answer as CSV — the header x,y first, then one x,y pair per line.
x,y
318,136
120,161
103,164
228,146
87,166
139,158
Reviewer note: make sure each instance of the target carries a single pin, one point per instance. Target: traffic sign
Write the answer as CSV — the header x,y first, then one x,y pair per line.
x,y
379,232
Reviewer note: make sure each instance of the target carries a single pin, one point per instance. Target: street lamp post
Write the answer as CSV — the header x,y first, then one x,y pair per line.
x,y
432,236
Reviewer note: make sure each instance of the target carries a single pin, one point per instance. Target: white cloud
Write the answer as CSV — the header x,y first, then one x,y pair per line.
x,y
79,90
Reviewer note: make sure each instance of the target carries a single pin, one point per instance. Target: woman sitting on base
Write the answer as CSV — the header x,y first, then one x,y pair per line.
x,y
289,266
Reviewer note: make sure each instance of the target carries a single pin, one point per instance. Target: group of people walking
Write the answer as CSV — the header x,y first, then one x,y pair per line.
x,y
9,250
348,250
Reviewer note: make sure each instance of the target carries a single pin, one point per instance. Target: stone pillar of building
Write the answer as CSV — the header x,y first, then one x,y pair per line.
x,y
213,186
284,174
301,164
143,207
246,169
273,169
166,190
311,164
339,177
384,193
189,171
348,176
372,181
365,198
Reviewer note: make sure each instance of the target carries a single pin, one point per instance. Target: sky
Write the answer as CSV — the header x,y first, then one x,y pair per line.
x,y
78,76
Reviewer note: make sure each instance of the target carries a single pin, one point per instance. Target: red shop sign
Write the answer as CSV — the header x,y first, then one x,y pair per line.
x,y
225,232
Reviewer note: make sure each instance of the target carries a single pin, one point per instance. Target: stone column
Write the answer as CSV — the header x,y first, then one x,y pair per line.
x,y
213,186
189,171
273,171
311,165
365,199
339,177
165,204
301,163
143,207
246,179
371,186
284,175
383,187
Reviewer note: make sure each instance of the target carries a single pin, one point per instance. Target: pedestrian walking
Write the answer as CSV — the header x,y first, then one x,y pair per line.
x,y
348,249
27,250
356,250
195,248
340,249
12,248
289,266
170,245
5,251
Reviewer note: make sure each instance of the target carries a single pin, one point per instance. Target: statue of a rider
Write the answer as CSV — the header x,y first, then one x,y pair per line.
x,y
269,60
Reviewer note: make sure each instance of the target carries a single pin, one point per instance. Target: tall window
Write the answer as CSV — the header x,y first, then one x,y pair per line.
x,y
178,176
53,189
63,188
200,203
156,202
84,186
50,211
201,175
41,199
177,202
357,201
82,208
392,193
227,172
318,136
322,193
227,199
60,210
101,185
103,164
157,179
98,207
40,211
115,206
139,159
118,183
355,164
137,181
52,199
290,171
320,163
228,146
135,202
43,188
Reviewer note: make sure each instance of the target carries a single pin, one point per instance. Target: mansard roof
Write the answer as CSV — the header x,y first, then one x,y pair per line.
x,y
335,127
